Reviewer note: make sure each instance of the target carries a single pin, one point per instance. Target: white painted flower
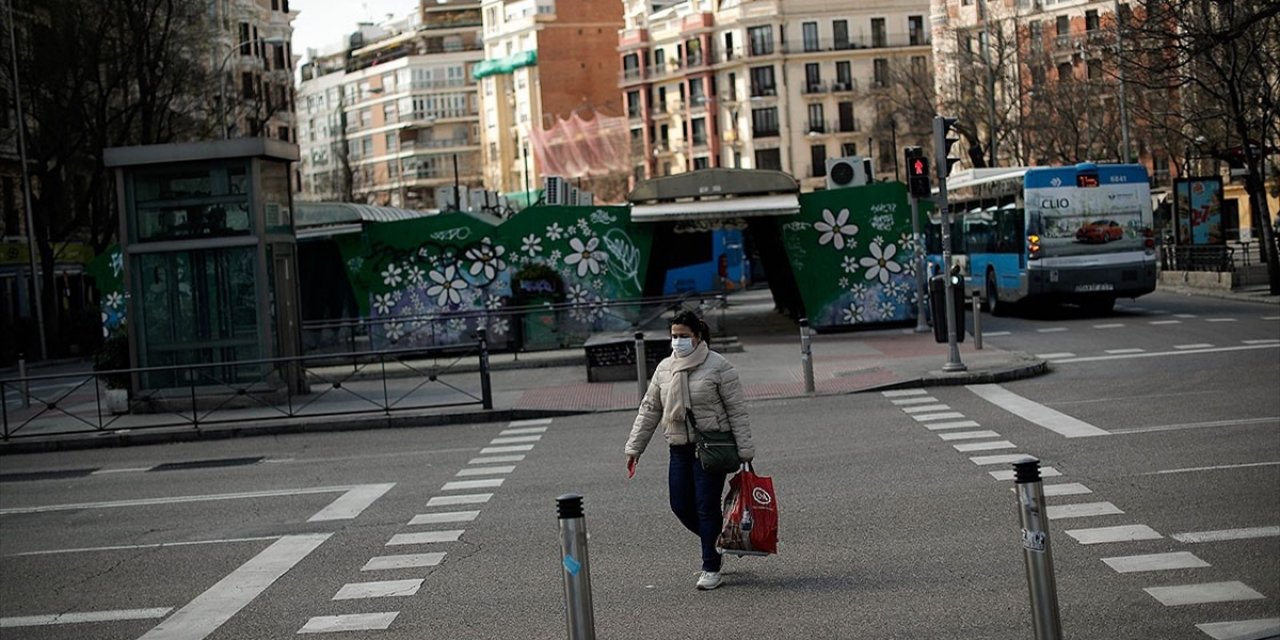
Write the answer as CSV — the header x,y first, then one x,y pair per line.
x,y
487,259
499,326
554,232
850,264
577,295
853,315
844,282
555,255
531,245
878,240
415,275
395,331
456,325
834,228
858,290
106,333
887,309
448,286
493,302
383,302
117,263
392,275
587,256
114,300
595,311
880,263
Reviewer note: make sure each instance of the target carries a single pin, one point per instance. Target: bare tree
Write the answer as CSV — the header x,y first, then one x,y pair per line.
x,y
904,103
1074,116
1220,63
982,93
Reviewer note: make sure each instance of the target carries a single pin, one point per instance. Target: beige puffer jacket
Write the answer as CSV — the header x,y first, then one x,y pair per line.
x,y
718,405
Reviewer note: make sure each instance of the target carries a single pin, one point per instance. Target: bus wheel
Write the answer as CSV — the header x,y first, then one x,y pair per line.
x,y
993,300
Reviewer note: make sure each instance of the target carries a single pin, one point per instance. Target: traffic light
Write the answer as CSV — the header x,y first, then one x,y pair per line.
x,y
942,145
918,183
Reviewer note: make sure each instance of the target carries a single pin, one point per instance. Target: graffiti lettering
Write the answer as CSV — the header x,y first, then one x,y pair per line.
x,y
884,207
459,233
537,286
796,226
600,216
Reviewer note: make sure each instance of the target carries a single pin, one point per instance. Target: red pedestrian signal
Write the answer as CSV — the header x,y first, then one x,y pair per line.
x,y
918,183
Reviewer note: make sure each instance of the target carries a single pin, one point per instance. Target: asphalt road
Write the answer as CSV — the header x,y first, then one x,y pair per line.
x,y
888,531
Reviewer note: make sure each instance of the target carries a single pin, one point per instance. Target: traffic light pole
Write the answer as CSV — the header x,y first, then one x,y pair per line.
x,y
942,145
921,325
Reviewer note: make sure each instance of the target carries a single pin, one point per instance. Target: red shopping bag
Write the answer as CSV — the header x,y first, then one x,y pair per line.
x,y
750,516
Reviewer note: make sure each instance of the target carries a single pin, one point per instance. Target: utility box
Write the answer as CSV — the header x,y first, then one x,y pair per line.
x,y
938,307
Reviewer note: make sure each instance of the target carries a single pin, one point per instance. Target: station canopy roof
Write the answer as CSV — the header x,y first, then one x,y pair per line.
x,y
715,193
325,219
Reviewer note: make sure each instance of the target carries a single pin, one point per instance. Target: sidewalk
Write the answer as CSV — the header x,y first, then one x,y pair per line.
x,y
1253,293
551,383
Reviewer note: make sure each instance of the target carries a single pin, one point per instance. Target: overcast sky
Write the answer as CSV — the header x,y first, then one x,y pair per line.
x,y
325,23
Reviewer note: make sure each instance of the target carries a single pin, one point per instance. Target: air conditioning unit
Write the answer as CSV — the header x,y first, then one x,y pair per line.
x,y
586,199
480,199
572,200
850,171
555,190
446,199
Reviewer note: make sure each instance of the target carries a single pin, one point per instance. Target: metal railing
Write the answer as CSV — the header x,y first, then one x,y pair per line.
x,y
203,395
1219,258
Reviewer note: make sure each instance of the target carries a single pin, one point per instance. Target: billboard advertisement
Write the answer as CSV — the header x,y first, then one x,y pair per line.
x,y
1197,210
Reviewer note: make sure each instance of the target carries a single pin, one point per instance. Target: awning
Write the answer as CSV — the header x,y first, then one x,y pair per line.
x,y
775,205
500,66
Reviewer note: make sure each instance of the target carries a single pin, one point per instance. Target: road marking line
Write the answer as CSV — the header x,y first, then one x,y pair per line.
x,y
1213,468
1007,474
1116,351
1260,629
406,561
85,616
535,422
1114,325
903,393
1082,510
1226,534
177,500
1198,345
458,485
1051,330
378,589
1155,562
486,471
1203,593
350,622
1165,322
516,439
996,334
1170,353
352,503
937,416
1007,458
507,449
1053,356
158,545
443,516
1221,320
425,537
1051,419
103,472
1266,341
223,600
968,435
448,501
1122,533
905,401
495,459
925,408
517,432
1065,489
984,446
961,424
1271,317
1185,315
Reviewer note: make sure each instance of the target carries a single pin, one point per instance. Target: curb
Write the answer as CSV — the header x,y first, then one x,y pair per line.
x,y
1221,295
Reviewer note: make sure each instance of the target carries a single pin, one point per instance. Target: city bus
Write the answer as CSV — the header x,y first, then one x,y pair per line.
x,y
1080,234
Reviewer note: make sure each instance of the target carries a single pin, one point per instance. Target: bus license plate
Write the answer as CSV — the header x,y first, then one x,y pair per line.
x,y
1106,286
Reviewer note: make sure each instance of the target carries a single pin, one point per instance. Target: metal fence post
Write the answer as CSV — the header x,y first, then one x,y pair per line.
x,y
642,367
977,320
486,389
25,386
579,615
806,356
1036,552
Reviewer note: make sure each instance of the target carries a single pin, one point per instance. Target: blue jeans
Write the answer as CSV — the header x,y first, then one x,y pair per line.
x,y
695,499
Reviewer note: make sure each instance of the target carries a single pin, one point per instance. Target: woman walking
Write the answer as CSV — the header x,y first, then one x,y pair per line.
x,y
696,378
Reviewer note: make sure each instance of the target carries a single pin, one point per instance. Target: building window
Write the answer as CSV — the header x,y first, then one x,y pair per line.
x,y
733,86
633,104
1037,76
246,42
762,82
696,94
915,30
701,162
848,149
878,36
699,131
393,142
693,53
764,122
845,114
660,59
1036,29
769,159
1095,69
728,45
817,119
840,34
1064,72
809,31
844,76
919,66
761,39
818,160
631,66
880,71
812,77
662,98
1091,20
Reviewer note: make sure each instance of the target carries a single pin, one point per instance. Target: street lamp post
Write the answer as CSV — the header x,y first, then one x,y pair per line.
x,y
222,77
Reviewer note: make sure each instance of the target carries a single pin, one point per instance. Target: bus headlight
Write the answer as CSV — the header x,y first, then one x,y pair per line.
x,y
1033,246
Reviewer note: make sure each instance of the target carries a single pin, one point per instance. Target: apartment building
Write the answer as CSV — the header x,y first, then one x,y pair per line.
x,y
255,59
393,114
545,60
766,84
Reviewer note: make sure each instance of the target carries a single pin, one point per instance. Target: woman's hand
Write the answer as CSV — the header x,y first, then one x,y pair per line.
x,y
631,466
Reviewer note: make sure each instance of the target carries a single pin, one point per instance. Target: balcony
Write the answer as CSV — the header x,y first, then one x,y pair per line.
x,y
847,86
633,37
847,125
764,132
881,41
764,91
818,127
811,88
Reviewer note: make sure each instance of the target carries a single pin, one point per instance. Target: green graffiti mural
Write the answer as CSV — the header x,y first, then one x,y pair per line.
x,y
852,250
107,271
435,280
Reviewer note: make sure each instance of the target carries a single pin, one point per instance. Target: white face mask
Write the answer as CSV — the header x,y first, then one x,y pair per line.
x,y
682,346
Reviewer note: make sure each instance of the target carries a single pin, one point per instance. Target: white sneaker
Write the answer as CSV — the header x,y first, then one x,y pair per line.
x,y
709,580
